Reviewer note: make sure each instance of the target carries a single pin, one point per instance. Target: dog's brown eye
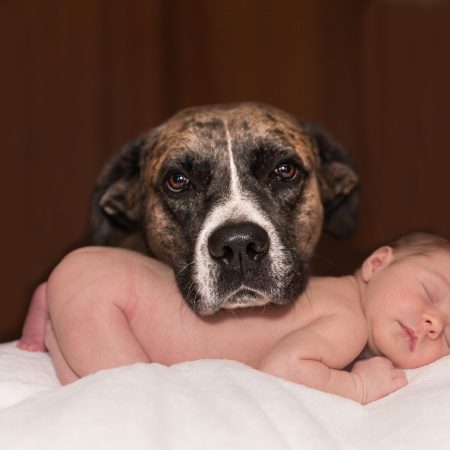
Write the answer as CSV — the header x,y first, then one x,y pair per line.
x,y
285,172
177,182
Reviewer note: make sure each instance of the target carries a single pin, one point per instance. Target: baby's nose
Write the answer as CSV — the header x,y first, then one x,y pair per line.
x,y
434,323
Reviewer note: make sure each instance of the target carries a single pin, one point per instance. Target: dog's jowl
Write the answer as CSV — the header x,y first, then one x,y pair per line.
x,y
232,197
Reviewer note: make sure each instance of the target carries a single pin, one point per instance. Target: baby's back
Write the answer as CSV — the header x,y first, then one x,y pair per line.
x,y
171,333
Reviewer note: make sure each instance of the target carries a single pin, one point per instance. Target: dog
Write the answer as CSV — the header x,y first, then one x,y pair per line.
x,y
233,197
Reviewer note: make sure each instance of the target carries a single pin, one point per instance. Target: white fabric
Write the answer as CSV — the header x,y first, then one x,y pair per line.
x,y
209,405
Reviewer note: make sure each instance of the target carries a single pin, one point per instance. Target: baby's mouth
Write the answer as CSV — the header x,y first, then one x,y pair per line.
x,y
411,336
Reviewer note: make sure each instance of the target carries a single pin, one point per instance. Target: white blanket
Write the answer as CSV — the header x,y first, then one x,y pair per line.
x,y
209,405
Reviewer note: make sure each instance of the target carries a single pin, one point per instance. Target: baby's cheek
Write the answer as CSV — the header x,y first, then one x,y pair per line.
x,y
417,358
378,341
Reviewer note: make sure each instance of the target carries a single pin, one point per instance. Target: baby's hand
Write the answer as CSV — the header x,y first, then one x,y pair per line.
x,y
377,377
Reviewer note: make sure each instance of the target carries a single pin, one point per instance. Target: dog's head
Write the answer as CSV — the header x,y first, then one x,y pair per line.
x,y
233,197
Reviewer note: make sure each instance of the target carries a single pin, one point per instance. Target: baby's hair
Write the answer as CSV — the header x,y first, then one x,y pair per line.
x,y
419,243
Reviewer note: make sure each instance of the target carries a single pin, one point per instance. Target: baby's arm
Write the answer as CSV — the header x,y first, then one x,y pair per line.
x,y
316,355
91,299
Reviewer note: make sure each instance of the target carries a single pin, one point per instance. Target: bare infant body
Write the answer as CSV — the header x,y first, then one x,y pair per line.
x,y
112,307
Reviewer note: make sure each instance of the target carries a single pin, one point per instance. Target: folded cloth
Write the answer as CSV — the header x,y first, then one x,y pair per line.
x,y
209,405
23,374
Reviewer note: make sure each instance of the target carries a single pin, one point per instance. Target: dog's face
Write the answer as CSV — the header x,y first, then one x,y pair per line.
x,y
232,197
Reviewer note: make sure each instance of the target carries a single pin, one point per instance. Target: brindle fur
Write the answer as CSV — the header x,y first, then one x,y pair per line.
x,y
132,206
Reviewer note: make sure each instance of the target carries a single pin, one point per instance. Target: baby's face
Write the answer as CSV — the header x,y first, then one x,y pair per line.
x,y
407,305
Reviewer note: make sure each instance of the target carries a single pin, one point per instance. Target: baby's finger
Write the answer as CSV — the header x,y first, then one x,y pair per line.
x,y
399,379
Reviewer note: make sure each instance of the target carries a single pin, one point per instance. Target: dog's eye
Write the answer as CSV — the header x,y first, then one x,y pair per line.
x,y
177,182
285,172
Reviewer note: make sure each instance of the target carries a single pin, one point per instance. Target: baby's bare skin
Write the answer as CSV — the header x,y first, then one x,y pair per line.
x,y
32,338
136,302
112,307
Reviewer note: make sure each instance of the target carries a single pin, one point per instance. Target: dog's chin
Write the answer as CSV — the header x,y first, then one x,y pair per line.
x,y
240,298
242,295
245,297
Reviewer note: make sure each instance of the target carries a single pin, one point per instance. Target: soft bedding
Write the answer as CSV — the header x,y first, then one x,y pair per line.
x,y
209,405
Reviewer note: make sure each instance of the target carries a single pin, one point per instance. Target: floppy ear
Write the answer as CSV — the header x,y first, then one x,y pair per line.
x,y
117,197
338,183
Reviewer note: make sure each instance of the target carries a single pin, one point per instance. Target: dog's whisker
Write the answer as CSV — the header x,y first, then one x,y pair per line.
x,y
185,267
195,298
307,296
327,261
184,309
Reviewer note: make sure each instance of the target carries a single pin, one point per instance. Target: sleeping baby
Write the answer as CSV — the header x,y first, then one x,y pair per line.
x,y
108,307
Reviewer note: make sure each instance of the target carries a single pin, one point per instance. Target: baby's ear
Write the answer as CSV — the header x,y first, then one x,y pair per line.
x,y
379,259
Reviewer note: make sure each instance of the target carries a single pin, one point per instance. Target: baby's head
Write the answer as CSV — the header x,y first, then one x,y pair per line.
x,y
409,245
418,243
405,296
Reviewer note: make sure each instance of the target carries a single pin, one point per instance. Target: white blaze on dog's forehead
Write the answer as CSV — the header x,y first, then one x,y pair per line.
x,y
235,189
237,207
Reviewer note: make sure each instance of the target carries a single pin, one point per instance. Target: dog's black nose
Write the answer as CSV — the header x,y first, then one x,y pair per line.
x,y
240,245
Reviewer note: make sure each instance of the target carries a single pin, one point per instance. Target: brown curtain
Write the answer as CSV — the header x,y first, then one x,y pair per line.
x,y
80,78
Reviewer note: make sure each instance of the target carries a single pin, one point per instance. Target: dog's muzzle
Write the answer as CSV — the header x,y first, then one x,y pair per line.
x,y
240,254
239,247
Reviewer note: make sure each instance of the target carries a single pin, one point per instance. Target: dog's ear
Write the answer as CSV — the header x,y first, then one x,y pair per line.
x,y
117,197
338,182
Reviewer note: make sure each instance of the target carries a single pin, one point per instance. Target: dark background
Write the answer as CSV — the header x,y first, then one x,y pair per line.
x,y
79,78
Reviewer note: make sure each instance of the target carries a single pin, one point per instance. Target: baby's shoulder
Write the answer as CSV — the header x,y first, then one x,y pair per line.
x,y
332,295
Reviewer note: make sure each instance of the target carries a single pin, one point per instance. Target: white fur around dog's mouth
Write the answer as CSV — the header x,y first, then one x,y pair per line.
x,y
243,297
237,208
